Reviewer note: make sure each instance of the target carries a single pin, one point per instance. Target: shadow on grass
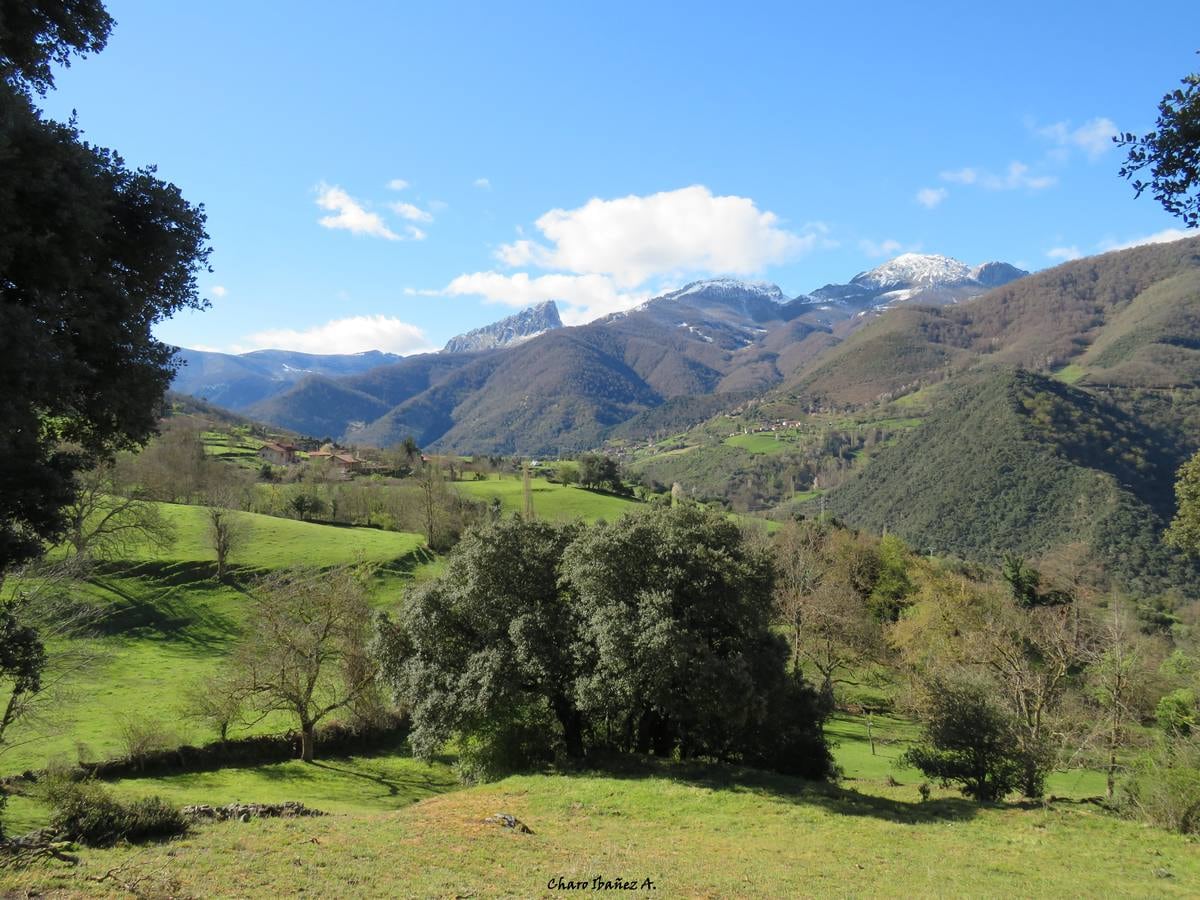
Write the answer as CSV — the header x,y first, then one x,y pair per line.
x,y
831,797
168,609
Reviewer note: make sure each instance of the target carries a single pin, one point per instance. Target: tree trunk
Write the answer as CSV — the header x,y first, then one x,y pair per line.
x,y
307,740
572,726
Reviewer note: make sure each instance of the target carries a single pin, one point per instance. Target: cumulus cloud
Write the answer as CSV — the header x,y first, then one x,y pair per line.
x,y
1165,236
634,238
1064,254
931,197
610,255
886,247
482,183
1093,137
585,297
218,290
397,184
350,215
410,212
351,335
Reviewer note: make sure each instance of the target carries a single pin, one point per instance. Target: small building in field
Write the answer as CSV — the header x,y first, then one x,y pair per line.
x,y
278,454
338,460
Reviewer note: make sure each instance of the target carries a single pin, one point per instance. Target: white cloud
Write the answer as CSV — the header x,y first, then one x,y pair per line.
x,y
961,176
351,335
1064,254
397,184
410,212
482,183
1015,177
887,247
414,233
585,297
350,215
1093,137
218,290
931,197
635,238
1159,237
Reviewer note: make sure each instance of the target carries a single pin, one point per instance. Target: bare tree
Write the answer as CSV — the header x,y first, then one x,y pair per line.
x,y
41,658
219,703
429,479
305,649
105,519
225,536
799,569
1121,680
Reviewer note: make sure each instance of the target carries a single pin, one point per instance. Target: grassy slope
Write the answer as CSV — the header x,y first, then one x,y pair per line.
x,y
557,502
169,624
696,831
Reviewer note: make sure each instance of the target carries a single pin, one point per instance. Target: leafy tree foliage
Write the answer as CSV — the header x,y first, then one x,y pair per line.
x,y
1184,532
491,638
1171,152
651,634
92,255
968,740
599,471
38,34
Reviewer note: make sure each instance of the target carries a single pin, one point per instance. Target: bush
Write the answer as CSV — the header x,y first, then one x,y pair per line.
x,y
968,740
1176,712
521,743
85,811
1164,788
143,738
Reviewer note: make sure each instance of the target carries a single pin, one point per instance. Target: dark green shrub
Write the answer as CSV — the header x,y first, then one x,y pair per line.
x,y
87,812
968,740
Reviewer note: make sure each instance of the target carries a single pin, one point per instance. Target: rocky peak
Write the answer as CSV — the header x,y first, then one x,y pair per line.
x,y
528,323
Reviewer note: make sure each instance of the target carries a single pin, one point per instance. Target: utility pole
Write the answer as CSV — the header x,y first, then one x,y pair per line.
x,y
528,490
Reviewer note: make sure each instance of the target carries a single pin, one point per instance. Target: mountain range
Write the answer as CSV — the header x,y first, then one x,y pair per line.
x,y
528,385
1010,413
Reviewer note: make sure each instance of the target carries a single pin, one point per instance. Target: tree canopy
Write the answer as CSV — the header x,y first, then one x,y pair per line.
x,y
652,635
92,255
1171,152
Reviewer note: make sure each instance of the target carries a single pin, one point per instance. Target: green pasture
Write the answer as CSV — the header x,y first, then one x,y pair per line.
x,y
556,502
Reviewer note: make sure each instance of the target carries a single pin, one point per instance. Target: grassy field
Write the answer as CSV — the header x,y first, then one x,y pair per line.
x,y
556,502
698,831
763,442
1070,374
168,624
399,827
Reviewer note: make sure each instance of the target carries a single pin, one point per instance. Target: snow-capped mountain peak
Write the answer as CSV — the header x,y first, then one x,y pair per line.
x,y
729,286
916,270
526,324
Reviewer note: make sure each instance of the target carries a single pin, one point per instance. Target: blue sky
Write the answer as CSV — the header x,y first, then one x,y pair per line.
x,y
394,174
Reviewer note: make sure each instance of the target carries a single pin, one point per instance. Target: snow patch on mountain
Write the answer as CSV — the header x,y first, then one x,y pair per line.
x,y
910,270
516,329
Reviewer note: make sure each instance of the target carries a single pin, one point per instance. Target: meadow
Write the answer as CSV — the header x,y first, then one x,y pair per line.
x,y
166,624
397,826
401,828
551,501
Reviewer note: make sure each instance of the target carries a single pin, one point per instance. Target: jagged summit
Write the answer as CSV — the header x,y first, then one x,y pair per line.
x,y
526,324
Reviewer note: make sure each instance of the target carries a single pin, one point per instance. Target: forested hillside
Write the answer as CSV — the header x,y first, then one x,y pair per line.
x,y
1018,463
